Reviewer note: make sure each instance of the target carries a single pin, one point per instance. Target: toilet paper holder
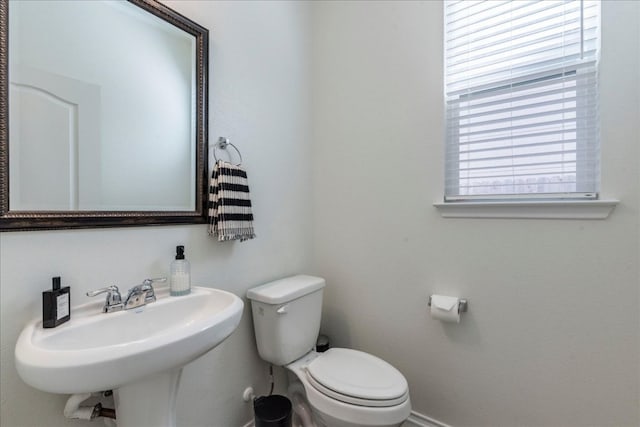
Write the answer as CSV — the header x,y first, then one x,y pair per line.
x,y
463,305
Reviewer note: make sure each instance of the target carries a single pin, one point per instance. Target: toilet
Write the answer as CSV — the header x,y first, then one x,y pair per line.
x,y
337,388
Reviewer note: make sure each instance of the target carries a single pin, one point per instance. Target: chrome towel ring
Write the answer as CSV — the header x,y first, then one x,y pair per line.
x,y
222,144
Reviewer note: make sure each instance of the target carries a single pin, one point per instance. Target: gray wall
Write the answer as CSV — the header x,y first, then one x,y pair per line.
x,y
552,335
259,99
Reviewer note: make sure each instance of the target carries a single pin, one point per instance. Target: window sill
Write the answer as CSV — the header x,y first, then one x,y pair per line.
x,y
557,209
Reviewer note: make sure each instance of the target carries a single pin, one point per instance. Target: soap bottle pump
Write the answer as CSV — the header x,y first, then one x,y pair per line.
x,y
180,274
56,305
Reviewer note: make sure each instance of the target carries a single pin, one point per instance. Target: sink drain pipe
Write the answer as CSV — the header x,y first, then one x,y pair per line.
x,y
73,410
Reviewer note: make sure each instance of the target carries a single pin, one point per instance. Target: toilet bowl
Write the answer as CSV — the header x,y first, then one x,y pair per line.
x,y
349,388
341,387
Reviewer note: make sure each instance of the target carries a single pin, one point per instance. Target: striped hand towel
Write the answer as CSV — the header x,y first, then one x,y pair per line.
x,y
230,216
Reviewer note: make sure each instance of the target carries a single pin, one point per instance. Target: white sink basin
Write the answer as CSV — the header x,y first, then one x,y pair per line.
x,y
97,351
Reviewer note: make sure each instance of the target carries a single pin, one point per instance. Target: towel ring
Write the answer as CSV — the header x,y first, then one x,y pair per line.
x,y
222,144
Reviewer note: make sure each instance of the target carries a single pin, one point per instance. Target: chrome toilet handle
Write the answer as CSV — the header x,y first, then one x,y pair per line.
x,y
283,309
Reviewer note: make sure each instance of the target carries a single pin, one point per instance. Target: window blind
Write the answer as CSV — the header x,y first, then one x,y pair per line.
x,y
521,99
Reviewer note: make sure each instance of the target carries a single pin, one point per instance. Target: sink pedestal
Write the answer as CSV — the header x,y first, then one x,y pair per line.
x,y
149,402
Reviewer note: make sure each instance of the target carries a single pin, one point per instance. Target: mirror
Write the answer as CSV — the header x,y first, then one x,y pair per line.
x,y
103,115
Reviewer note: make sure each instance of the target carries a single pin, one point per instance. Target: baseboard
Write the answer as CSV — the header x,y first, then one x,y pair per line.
x,y
417,419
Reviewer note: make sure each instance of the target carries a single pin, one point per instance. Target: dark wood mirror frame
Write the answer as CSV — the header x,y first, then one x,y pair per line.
x,y
38,220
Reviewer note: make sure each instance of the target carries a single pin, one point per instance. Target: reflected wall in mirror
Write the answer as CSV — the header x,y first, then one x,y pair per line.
x,y
106,115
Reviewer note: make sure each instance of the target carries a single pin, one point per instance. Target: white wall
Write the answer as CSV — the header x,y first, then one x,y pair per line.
x,y
552,334
259,99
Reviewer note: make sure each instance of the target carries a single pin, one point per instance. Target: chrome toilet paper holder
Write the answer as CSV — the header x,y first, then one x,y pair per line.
x,y
463,305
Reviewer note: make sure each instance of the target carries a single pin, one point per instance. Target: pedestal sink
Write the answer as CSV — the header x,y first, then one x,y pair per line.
x,y
139,354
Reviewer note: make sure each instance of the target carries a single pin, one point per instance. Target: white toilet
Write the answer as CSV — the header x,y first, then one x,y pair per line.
x,y
342,387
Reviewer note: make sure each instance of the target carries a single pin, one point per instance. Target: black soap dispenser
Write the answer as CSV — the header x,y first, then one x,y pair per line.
x,y
56,305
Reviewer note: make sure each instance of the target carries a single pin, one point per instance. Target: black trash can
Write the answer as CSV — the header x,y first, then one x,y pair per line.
x,y
272,411
322,344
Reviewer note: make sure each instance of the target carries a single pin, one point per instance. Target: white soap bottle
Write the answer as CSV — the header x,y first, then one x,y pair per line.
x,y
180,274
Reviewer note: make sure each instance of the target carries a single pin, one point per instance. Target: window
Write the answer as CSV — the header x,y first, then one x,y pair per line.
x,y
521,99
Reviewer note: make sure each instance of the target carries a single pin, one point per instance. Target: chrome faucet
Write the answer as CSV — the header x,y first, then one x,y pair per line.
x,y
137,296
142,294
113,301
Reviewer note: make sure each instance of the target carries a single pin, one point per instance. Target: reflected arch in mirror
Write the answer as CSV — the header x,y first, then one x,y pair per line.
x,y
91,162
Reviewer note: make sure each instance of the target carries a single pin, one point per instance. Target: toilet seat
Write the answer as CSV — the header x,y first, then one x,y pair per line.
x,y
357,378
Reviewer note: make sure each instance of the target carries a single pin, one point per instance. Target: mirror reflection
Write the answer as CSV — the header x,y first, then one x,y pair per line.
x,y
102,109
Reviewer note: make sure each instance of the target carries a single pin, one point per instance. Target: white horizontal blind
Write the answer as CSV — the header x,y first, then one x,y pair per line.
x,y
522,99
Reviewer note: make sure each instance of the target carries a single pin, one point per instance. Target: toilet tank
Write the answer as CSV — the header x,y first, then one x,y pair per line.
x,y
286,317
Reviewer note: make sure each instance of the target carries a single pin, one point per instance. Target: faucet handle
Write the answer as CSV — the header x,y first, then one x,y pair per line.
x,y
147,286
114,299
111,289
149,282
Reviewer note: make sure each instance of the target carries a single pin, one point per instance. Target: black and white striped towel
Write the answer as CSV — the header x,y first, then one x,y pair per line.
x,y
230,216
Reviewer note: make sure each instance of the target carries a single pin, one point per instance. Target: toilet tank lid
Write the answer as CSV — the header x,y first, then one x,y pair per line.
x,y
285,290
